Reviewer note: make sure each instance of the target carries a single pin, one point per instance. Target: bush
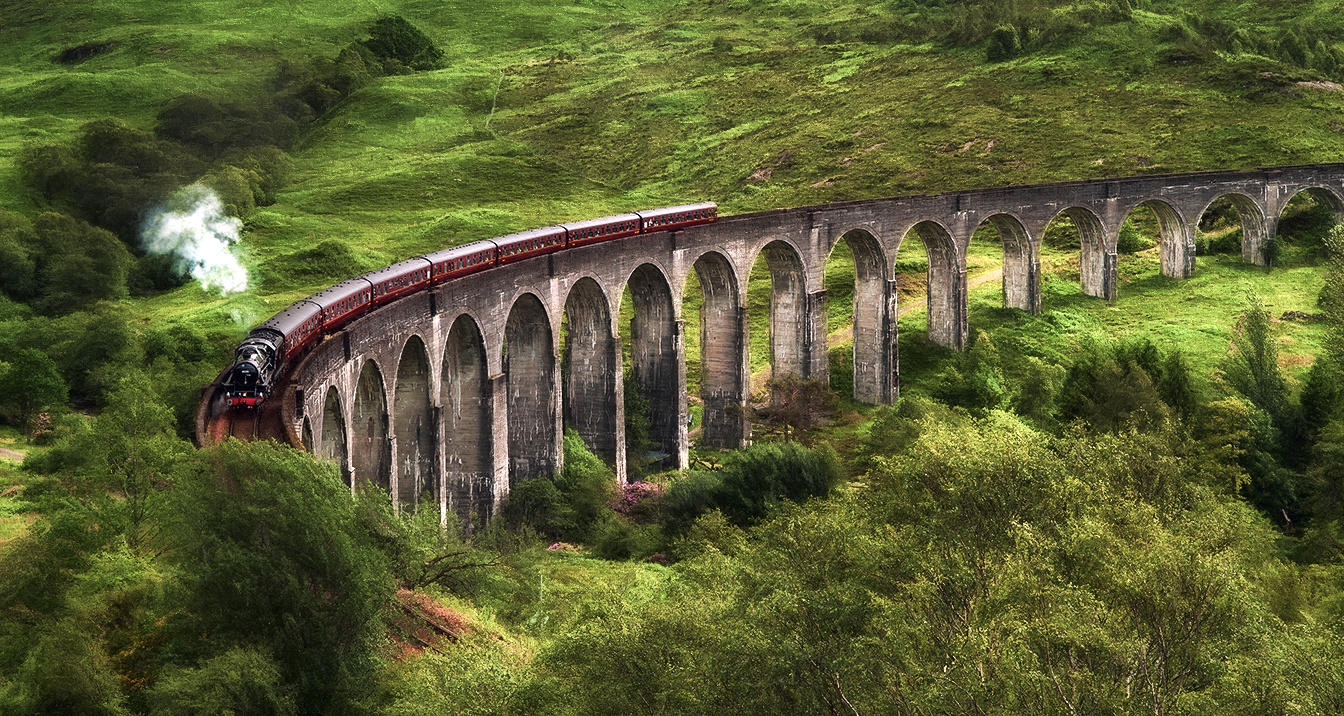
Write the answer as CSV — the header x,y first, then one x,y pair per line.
x,y
976,382
393,38
1108,389
273,557
1131,240
240,680
1004,43
76,264
324,261
212,128
570,506
751,483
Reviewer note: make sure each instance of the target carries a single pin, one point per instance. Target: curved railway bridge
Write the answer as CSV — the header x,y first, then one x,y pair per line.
x,y
455,393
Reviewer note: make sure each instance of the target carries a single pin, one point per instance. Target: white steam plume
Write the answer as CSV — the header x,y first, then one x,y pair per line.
x,y
192,228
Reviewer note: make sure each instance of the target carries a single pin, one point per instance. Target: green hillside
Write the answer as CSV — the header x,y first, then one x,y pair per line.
x,y
1121,507
553,111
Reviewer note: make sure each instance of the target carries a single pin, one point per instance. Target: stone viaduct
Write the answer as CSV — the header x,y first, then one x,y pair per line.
x,y
456,393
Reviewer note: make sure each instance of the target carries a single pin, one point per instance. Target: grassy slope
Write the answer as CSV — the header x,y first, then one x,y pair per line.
x,y
641,109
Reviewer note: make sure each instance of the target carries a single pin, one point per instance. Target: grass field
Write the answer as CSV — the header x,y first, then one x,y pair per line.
x,y
554,111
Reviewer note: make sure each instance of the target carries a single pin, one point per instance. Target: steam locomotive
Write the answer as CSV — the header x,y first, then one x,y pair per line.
x,y
262,357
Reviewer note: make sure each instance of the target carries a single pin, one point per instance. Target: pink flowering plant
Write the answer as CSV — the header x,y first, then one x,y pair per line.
x,y
638,501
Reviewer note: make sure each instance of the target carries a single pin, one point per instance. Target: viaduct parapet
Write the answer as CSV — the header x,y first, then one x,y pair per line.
x,y
454,394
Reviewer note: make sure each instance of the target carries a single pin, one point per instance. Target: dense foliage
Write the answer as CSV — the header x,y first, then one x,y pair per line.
x,y
1057,520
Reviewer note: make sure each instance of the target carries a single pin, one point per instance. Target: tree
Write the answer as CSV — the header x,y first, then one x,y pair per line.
x,y
132,451
30,384
273,557
77,264
1253,366
1004,43
1331,300
393,38
795,407
241,681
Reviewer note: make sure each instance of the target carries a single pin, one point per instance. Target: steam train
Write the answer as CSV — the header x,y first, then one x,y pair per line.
x,y
262,357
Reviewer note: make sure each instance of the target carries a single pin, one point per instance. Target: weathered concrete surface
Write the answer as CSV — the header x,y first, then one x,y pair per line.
x,y
457,392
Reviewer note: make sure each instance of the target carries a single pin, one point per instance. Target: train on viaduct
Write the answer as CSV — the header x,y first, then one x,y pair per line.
x,y
450,395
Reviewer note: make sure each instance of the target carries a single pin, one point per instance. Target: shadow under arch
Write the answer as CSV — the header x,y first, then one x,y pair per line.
x,y
655,361
529,372
589,369
873,325
466,396
946,291
371,451
723,359
333,448
1252,220
1176,241
1021,263
413,425
1096,261
788,309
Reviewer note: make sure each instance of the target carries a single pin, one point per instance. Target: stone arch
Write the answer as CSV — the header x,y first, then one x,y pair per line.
x,y
465,394
1253,225
529,369
874,340
788,309
306,435
589,369
1176,240
946,302
413,425
371,457
1322,195
1097,259
723,359
1021,263
655,358
333,446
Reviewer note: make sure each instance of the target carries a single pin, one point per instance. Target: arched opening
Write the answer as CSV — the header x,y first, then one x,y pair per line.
x,y
1176,242
653,407
1077,231
529,369
1305,219
306,436
371,459
1153,224
1020,269
589,368
776,291
333,433
466,399
859,314
720,374
1232,224
413,426
945,284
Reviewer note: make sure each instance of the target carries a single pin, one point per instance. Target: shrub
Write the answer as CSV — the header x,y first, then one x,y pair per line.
x,y
1109,390
569,506
393,38
240,680
212,128
751,483
976,382
1004,43
77,264
273,557
1131,240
